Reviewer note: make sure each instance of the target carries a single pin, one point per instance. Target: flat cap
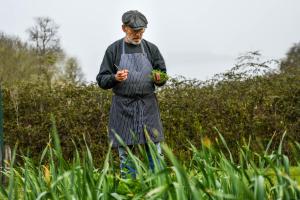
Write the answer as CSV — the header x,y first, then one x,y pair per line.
x,y
134,19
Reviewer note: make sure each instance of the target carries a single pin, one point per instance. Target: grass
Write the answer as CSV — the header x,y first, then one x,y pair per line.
x,y
209,175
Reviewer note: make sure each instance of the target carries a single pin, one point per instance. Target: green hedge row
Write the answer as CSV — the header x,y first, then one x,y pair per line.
x,y
257,107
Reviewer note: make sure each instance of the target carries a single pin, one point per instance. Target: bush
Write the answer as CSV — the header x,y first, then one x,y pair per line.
x,y
239,105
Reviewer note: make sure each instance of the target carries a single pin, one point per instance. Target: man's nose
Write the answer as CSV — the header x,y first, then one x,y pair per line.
x,y
139,34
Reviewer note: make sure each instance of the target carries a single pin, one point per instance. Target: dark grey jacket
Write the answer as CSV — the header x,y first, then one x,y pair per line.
x,y
106,76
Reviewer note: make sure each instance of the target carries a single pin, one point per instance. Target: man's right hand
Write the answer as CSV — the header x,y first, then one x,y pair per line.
x,y
121,75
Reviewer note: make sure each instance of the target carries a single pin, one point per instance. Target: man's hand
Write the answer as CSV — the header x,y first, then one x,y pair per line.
x,y
121,75
156,77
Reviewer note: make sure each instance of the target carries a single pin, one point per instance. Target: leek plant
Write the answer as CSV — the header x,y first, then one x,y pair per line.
x,y
210,174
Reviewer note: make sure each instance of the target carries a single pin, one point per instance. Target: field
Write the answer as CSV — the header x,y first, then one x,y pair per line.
x,y
208,175
238,138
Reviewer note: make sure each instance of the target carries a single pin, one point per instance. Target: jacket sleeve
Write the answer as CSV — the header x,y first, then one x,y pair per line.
x,y
106,76
159,64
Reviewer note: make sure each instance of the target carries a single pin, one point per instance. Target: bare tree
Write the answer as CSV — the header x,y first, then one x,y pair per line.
x,y
72,71
46,42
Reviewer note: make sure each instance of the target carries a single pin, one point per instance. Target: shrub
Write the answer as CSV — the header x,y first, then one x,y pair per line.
x,y
238,103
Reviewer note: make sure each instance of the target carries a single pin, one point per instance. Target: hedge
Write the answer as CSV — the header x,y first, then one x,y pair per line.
x,y
255,107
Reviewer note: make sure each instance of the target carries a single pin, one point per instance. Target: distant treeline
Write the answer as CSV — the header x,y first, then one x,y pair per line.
x,y
40,59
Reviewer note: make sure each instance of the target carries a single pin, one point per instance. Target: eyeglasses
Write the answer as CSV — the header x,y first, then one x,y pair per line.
x,y
136,32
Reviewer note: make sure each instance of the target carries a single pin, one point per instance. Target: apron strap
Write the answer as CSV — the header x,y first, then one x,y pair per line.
x,y
123,46
143,50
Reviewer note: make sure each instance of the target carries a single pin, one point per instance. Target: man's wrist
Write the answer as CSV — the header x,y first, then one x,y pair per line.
x,y
114,79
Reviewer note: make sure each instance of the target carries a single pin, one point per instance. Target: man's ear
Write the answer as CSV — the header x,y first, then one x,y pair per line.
x,y
124,28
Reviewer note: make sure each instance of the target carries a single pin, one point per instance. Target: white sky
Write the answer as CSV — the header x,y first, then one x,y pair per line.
x,y
197,38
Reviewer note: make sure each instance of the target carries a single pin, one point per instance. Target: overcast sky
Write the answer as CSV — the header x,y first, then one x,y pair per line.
x,y
197,38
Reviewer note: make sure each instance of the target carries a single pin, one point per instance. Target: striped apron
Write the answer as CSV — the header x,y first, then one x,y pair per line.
x,y
134,108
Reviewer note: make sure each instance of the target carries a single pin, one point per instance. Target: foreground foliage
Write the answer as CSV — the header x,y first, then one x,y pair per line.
x,y
241,104
209,175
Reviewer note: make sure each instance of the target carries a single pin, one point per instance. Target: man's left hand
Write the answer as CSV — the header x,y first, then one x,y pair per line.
x,y
156,77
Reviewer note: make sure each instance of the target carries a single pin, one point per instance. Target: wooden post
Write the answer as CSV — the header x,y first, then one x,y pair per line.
x,y
1,139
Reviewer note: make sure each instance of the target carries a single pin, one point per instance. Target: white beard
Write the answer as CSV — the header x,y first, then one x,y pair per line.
x,y
133,42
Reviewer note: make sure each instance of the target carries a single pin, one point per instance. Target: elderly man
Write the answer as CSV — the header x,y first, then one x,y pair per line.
x,y
127,68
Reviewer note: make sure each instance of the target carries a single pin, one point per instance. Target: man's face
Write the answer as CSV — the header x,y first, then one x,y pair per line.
x,y
133,36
